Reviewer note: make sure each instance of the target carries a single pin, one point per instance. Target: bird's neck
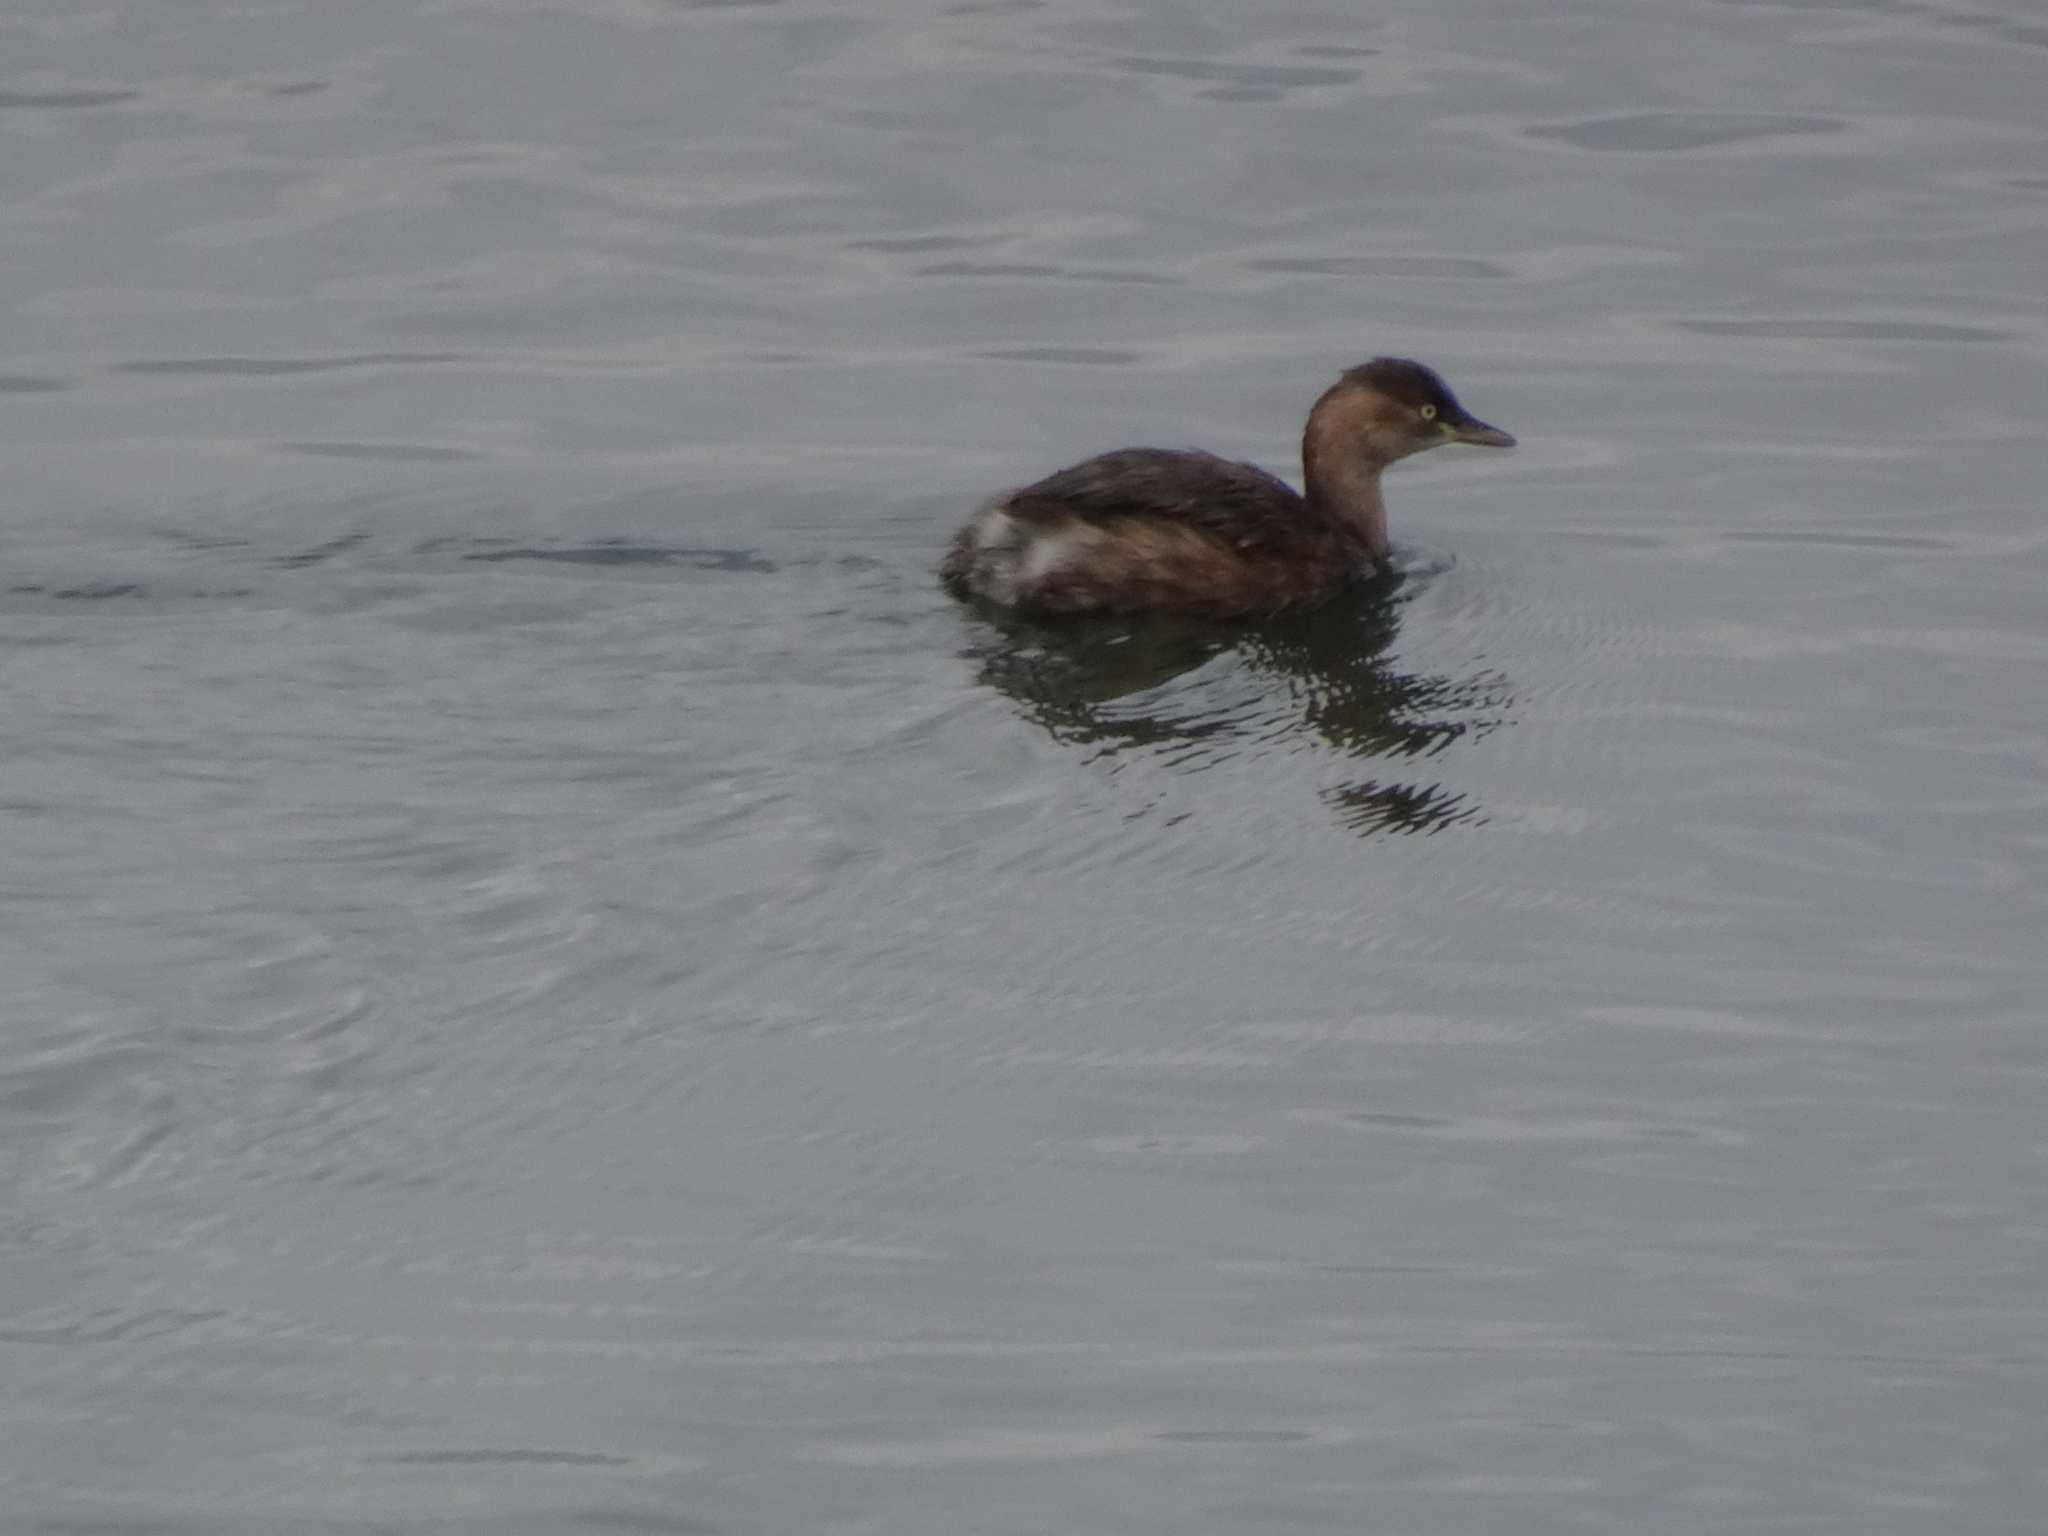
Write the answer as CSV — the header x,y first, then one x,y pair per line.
x,y
1348,493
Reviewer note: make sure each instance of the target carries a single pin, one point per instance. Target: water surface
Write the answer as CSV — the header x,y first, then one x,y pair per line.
x,y
553,983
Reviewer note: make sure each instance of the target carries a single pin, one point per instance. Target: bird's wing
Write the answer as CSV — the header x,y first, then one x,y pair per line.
x,y
1239,504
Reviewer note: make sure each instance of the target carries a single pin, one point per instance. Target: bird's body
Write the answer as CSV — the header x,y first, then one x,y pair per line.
x,y
1150,528
1155,529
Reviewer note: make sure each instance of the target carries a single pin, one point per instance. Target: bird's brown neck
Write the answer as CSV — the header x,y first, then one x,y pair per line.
x,y
1345,488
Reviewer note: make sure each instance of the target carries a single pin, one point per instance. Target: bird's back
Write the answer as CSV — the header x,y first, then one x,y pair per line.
x,y
1240,503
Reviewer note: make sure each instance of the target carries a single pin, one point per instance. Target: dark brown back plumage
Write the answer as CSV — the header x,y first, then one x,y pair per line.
x,y
1236,503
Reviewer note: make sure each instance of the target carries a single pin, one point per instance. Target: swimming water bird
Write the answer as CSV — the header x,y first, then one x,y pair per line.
x,y
1157,529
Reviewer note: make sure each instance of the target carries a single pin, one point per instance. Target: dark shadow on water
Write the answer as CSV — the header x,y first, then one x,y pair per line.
x,y
1371,806
1324,679
608,552
18,100
85,592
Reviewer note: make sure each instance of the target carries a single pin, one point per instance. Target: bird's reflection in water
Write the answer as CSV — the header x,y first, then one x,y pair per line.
x,y
1325,677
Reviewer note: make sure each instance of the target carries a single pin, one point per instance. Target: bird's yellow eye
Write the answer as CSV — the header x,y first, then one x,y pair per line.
x,y
1429,413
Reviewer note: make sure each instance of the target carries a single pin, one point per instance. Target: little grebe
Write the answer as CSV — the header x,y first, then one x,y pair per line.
x,y
1149,528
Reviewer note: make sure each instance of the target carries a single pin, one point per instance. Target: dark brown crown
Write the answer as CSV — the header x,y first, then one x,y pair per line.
x,y
1408,382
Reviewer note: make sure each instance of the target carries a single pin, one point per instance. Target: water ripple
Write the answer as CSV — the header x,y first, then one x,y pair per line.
x,y
1266,77
1676,132
1822,329
278,367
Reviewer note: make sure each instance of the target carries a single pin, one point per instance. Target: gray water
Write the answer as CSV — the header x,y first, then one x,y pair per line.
x,y
551,982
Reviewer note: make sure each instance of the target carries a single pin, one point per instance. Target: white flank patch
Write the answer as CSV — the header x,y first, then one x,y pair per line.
x,y
995,529
1053,552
